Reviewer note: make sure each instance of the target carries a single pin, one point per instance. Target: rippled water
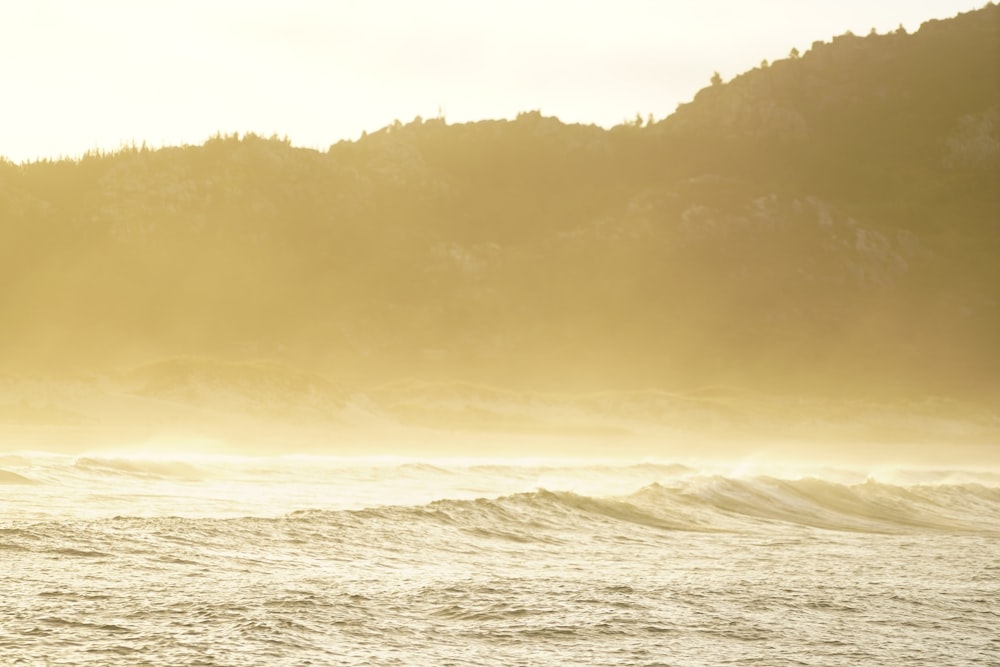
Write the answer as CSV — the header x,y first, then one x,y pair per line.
x,y
323,561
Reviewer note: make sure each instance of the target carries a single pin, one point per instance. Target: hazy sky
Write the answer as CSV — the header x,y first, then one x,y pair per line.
x,y
78,74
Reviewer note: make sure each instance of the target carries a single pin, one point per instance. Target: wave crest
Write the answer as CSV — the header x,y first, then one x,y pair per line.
x,y
708,504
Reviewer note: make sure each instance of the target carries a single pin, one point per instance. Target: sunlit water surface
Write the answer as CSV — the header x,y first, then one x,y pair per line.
x,y
325,561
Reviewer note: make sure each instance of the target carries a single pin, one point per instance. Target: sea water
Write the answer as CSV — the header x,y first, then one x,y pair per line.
x,y
125,560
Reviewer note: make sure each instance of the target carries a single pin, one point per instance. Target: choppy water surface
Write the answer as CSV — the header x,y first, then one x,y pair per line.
x,y
323,561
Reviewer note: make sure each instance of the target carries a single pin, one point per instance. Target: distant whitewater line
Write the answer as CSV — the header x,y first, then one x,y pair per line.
x,y
515,499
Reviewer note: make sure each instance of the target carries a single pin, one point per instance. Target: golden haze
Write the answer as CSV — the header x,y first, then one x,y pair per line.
x,y
822,228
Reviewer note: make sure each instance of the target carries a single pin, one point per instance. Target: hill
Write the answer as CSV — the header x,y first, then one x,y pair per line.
x,y
825,225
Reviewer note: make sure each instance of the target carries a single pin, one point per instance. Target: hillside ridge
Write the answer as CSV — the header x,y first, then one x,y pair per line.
x,y
826,224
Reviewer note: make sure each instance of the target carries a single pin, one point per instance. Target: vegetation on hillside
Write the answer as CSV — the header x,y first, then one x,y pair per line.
x,y
827,224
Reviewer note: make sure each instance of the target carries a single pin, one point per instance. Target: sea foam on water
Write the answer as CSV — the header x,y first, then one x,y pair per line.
x,y
243,561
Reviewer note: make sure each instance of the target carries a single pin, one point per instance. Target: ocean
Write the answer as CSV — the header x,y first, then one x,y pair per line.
x,y
312,560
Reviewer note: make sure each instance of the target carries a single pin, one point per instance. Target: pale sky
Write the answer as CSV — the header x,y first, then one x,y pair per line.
x,y
82,74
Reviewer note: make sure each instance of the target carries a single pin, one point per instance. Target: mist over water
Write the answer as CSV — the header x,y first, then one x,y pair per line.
x,y
290,560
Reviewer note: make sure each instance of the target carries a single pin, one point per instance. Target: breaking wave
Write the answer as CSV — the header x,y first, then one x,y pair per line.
x,y
706,504
531,501
136,467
